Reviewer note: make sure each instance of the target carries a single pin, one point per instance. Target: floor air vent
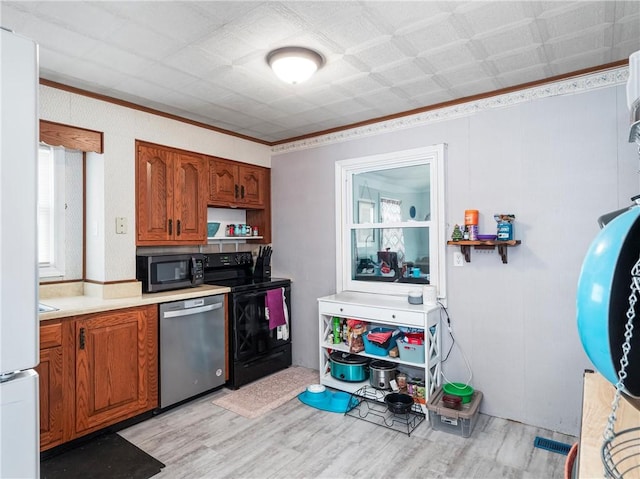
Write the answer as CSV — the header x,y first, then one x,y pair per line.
x,y
553,446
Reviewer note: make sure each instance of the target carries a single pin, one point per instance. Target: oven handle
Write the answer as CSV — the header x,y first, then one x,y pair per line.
x,y
191,311
253,295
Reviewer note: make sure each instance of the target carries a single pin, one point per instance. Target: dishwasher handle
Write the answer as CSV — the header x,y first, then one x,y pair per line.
x,y
191,311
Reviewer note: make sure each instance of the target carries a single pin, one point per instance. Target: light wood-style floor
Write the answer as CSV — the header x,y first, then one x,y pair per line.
x,y
201,440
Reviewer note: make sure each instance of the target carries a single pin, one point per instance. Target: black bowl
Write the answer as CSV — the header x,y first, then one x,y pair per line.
x,y
399,403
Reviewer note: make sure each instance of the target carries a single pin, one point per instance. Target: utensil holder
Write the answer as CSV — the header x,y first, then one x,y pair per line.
x,y
262,269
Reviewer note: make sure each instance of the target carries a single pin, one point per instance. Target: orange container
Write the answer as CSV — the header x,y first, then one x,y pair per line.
x,y
470,217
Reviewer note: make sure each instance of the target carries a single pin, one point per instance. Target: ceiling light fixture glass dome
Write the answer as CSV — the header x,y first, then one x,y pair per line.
x,y
294,64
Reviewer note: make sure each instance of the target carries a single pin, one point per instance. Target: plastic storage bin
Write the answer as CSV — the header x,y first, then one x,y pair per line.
x,y
456,421
413,353
374,348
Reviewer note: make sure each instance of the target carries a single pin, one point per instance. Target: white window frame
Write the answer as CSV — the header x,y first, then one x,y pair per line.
x,y
435,157
55,267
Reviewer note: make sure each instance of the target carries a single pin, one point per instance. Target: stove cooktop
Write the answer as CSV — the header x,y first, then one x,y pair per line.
x,y
247,284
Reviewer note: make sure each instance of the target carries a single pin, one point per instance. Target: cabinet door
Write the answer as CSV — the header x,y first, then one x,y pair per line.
x,y
51,378
116,374
154,189
223,186
252,184
190,209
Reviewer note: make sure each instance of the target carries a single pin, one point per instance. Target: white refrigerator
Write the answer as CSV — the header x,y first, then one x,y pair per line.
x,y
19,328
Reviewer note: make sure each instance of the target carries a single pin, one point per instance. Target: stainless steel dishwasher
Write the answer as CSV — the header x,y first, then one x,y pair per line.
x,y
192,348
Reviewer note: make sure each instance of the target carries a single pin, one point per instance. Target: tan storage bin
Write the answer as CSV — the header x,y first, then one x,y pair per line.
x,y
457,421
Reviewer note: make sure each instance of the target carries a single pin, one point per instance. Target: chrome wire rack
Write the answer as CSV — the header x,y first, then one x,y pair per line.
x,y
621,454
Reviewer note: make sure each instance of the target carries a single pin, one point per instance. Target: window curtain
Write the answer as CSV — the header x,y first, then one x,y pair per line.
x,y
392,238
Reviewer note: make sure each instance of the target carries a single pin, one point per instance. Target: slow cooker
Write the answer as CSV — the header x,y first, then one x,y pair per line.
x,y
381,374
349,367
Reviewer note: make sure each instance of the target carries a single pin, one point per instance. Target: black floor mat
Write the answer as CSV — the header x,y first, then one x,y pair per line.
x,y
108,456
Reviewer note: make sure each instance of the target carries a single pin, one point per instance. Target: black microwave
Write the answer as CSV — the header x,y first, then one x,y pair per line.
x,y
164,272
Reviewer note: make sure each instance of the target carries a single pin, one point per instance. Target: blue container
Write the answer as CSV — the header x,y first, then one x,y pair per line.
x,y
374,348
413,353
505,231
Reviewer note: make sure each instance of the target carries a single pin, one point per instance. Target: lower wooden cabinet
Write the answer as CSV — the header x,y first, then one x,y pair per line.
x,y
116,366
105,371
51,377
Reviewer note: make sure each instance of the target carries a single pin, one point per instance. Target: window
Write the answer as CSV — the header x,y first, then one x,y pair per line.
x,y
51,203
390,215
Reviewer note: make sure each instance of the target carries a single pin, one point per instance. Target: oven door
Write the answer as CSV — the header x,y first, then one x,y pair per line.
x,y
251,335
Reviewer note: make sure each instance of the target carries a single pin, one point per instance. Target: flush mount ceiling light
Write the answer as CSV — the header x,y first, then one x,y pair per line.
x,y
294,64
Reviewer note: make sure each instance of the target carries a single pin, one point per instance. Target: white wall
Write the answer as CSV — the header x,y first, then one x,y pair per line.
x,y
557,163
111,176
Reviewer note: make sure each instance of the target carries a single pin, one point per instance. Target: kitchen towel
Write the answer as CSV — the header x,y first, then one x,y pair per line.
x,y
275,307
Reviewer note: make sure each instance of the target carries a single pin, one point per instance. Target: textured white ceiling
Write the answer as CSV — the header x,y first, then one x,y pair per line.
x,y
205,60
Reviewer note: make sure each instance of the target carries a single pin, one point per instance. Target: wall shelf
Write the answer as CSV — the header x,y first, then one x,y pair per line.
x,y
231,239
465,247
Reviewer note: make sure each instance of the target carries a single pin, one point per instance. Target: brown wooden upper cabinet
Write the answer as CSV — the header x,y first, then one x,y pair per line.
x,y
233,184
171,193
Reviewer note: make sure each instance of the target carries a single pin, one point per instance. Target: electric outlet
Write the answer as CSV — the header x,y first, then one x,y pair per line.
x,y
458,258
121,225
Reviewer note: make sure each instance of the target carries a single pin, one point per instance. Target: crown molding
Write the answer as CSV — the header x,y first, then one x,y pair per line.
x,y
569,86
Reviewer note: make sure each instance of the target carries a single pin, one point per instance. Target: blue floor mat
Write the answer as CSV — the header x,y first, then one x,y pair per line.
x,y
326,400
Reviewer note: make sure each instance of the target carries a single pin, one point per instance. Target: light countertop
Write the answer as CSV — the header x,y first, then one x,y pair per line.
x,y
75,305
598,395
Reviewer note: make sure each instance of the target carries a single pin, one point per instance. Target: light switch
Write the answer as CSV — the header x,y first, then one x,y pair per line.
x,y
121,225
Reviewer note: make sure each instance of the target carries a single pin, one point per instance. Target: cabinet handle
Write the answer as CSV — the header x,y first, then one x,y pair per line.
x,y
170,227
341,310
236,191
82,339
242,192
178,228
393,316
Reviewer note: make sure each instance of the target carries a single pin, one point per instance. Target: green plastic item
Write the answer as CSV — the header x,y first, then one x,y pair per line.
x,y
459,389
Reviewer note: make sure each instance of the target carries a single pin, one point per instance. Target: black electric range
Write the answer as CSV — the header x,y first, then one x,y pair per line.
x,y
255,350
236,271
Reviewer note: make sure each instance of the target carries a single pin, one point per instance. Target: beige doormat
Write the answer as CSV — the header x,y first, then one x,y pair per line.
x,y
263,395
